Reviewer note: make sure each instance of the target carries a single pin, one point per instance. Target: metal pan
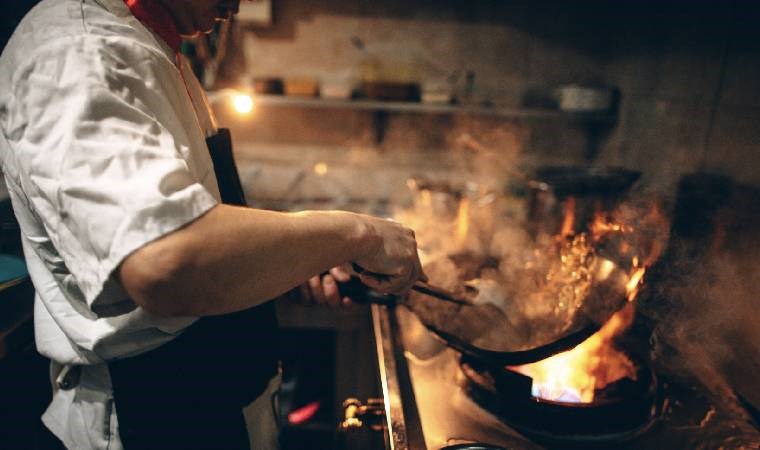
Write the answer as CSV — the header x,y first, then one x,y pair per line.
x,y
581,330
519,357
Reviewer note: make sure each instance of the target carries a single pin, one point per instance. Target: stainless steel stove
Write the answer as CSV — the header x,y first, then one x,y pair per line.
x,y
427,407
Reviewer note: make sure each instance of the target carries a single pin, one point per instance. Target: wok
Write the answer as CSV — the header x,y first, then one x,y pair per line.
x,y
480,330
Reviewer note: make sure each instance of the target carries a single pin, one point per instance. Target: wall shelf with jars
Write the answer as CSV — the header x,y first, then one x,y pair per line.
x,y
381,110
426,108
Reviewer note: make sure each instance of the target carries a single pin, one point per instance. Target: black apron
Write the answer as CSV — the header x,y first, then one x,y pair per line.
x,y
189,393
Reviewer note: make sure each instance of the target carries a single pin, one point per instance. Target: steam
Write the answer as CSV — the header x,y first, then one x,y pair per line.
x,y
705,317
474,236
701,300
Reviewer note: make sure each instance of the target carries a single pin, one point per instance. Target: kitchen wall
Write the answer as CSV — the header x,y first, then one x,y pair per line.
x,y
689,77
515,54
690,82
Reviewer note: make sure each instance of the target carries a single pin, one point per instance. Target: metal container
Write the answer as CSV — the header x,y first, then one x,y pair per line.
x,y
566,200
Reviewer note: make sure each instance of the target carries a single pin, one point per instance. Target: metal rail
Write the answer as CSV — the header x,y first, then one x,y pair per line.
x,y
402,417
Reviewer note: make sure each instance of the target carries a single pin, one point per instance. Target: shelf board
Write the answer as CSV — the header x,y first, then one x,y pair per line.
x,y
423,108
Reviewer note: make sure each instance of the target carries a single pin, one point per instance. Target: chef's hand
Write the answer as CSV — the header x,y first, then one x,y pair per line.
x,y
393,266
323,289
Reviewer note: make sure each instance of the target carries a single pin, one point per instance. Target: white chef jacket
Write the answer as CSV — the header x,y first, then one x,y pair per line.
x,y
103,150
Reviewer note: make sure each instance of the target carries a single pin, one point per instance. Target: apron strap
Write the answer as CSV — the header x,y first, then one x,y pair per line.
x,y
189,393
220,146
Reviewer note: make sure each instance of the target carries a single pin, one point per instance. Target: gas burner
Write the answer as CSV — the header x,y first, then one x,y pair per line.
x,y
620,411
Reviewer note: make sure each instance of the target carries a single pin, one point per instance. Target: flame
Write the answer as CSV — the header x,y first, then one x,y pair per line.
x,y
602,226
634,283
568,222
463,221
560,287
575,375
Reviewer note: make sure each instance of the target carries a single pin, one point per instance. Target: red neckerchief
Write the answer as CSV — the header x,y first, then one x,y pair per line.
x,y
156,17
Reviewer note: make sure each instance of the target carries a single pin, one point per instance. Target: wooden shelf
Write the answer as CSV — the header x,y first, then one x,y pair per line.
x,y
424,108
593,123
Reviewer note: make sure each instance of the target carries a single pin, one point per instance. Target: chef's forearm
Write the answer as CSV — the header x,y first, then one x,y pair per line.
x,y
233,258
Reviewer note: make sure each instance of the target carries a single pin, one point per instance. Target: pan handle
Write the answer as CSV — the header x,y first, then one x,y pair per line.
x,y
360,293
419,286
362,271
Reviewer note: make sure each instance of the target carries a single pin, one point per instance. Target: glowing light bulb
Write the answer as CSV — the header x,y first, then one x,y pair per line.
x,y
320,168
242,103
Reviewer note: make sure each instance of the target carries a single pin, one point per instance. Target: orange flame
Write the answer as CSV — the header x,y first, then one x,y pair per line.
x,y
634,283
602,226
568,222
575,375
463,221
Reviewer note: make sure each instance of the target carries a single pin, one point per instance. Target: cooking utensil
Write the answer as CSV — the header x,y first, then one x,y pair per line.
x,y
360,293
467,326
584,181
437,292
421,287
608,296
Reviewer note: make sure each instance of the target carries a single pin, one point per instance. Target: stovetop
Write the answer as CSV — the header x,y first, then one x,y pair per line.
x,y
427,407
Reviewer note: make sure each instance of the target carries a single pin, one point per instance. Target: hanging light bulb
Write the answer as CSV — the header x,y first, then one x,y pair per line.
x,y
243,103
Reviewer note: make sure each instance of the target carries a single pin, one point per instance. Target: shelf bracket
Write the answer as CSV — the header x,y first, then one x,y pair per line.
x,y
379,125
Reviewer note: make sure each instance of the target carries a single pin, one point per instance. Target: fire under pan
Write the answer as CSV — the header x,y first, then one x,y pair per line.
x,y
429,406
619,412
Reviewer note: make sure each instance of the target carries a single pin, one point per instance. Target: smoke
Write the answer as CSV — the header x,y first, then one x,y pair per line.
x,y
545,285
703,300
704,317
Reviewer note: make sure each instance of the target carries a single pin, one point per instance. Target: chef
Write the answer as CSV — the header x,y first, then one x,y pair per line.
x,y
153,282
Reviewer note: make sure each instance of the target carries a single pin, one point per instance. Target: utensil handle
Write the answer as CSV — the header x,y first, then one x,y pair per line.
x,y
437,292
362,271
358,292
419,286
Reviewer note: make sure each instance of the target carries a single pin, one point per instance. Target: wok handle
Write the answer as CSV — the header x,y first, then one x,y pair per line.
x,y
362,271
358,292
419,286
437,292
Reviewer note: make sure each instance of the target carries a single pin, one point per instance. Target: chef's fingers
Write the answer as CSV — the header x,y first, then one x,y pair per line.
x,y
398,284
330,290
341,273
315,288
402,283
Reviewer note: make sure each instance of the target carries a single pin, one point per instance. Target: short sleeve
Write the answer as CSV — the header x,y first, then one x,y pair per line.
x,y
107,165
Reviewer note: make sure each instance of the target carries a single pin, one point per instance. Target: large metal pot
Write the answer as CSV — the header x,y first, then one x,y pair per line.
x,y
565,200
